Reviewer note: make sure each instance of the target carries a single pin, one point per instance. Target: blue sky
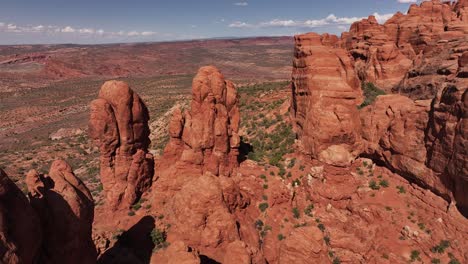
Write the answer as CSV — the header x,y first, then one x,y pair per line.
x,y
105,21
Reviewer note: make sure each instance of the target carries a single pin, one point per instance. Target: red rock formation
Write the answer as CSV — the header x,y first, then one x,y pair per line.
x,y
394,130
447,141
205,138
119,126
421,54
378,59
325,93
20,232
304,245
385,53
66,209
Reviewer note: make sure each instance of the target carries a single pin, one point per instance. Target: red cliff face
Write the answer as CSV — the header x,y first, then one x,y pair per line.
x,y
119,125
421,54
421,43
205,138
325,93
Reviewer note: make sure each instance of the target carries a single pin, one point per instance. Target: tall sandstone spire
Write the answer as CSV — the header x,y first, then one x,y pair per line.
x,y
205,138
119,126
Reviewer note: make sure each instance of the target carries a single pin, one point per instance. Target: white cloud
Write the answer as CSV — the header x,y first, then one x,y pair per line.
x,y
56,30
382,18
148,33
241,4
342,28
239,24
407,1
68,29
133,33
311,23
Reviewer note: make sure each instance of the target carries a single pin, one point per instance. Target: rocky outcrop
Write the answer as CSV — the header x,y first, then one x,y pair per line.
x,y
394,130
54,226
377,58
304,245
20,231
325,93
119,126
197,186
447,141
66,209
422,43
205,138
422,55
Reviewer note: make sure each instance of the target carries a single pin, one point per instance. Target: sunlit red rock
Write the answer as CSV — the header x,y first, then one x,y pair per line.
x,y
325,93
206,136
119,126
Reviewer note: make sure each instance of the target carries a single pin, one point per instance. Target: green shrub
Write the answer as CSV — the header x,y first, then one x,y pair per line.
x,y
321,227
296,182
296,213
401,189
280,237
441,247
422,226
370,93
384,183
259,224
263,207
373,185
281,172
415,255
159,239
308,210
435,261
292,163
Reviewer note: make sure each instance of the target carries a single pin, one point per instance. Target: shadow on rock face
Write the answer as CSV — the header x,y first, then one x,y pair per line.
x,y
206,260
134,246
244,150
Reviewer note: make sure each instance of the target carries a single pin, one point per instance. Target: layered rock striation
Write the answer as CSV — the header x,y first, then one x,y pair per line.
x,y
413,53
325,92
421,55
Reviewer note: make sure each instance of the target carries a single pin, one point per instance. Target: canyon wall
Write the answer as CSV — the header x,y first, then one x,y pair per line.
x,y
422,56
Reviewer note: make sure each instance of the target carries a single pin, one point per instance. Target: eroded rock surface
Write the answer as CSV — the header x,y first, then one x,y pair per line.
x,y
66,209
422,55
119,126
325,93
205,138
20,230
